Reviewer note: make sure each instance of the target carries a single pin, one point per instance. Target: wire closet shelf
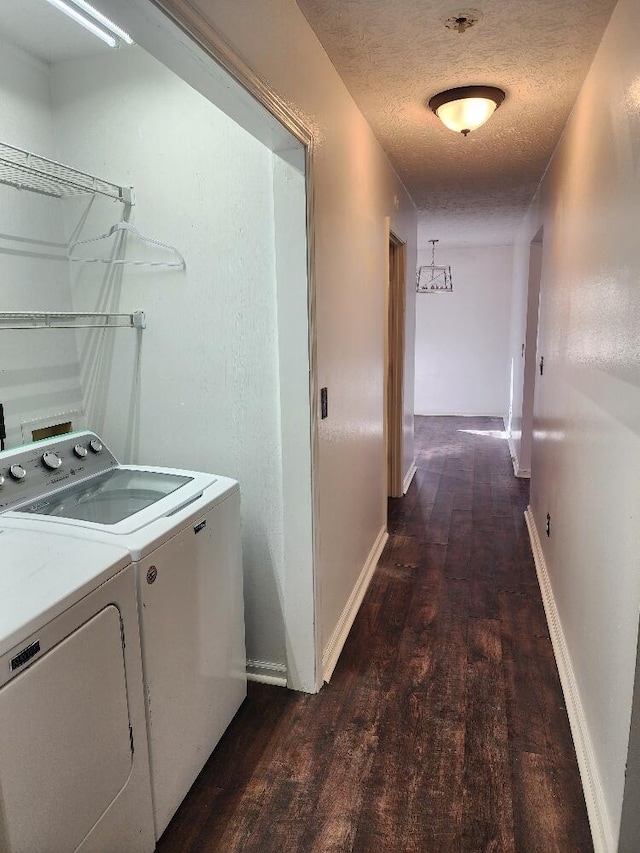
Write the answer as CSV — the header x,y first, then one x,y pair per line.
x,y
27,171
71,320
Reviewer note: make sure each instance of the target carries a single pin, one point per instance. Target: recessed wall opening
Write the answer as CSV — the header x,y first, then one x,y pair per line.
x,y
219,378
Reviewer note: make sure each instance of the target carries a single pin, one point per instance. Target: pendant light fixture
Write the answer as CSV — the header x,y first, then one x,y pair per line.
x,y
433,278
466,108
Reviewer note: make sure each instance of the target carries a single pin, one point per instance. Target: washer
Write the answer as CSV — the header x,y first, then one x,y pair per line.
x,y
182,531
74,765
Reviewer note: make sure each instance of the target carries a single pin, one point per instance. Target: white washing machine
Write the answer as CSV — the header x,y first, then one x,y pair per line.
x,y
74,765
182,530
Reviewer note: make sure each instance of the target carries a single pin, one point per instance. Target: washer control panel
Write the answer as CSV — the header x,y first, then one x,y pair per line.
x,y
45,466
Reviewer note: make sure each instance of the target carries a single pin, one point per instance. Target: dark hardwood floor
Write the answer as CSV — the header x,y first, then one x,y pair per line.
x,y
444,727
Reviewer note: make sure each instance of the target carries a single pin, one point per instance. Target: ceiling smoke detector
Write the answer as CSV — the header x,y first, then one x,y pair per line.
x,y
462,21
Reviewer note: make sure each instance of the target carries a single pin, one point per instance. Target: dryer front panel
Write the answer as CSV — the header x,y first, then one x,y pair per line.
x,y
60,719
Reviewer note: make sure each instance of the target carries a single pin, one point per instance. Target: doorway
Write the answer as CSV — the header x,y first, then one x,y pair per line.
x,y
530,348
394,398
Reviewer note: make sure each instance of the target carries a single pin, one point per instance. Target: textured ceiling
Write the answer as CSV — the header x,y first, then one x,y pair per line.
x,y
393,55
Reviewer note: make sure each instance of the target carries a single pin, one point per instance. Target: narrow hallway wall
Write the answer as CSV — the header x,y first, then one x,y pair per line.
x,y
586,442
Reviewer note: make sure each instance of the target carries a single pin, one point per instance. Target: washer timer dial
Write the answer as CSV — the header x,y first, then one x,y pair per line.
x,y
51,460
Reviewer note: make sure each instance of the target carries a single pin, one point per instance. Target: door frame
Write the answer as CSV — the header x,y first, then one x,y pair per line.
x,y
394,363
530,353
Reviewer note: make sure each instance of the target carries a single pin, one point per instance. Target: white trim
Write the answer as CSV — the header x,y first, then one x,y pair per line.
x,y
200,31
408,478
266,672
459,415
601,831
341,631
522,473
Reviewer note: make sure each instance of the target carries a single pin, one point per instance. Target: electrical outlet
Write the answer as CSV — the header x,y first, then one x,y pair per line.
x,y
548,526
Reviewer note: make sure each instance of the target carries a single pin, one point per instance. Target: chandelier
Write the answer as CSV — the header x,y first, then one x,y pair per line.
x,y
433,278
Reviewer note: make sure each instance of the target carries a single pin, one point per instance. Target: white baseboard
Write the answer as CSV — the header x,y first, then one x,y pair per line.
x,y
408,478
341,631
524,473
266,672
601,831
458,414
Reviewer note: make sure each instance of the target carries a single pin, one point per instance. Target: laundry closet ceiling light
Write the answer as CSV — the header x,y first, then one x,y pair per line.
x,y
93,21
466,108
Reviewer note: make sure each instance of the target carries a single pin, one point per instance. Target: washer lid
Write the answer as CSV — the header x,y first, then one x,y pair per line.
x,y
109,497
173,490
144,531
42,574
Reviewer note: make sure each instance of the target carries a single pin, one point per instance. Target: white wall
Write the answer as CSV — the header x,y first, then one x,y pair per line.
x,y
289,196
355,188
199,388
586,445
462,337
39,370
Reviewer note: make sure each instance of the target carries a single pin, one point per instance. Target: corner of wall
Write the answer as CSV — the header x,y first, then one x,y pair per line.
x,y
340,633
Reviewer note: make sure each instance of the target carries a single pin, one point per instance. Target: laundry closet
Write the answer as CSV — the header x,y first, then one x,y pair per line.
x,y
190,261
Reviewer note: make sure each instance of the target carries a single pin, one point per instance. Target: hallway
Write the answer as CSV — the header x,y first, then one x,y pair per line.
x,y
443,728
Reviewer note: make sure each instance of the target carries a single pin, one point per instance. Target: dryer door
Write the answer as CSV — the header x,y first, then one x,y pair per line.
x,y
65,748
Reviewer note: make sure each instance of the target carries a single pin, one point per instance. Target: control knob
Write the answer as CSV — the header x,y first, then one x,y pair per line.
x,y
96,445
17,472
80,451
1,479
51,460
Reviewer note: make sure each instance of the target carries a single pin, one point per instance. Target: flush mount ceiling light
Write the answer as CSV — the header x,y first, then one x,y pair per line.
x,y
93,21
466,108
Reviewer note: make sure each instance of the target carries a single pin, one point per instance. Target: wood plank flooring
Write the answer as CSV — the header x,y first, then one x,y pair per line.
x,y
443,728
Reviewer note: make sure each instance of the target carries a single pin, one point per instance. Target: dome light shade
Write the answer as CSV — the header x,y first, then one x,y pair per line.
x,y
466,108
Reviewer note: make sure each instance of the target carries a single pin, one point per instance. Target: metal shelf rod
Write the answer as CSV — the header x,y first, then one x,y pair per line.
x,y
19,320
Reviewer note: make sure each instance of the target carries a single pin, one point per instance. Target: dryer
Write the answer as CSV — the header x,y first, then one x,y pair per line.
x,y
74,767
182,531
